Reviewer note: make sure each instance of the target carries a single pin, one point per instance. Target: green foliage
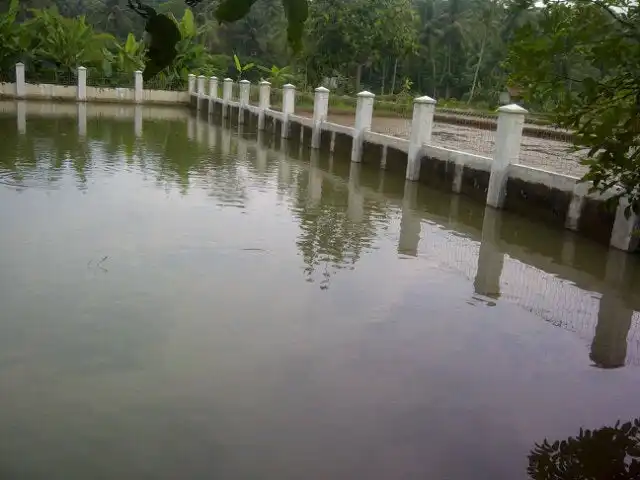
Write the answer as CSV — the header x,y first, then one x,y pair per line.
x,y
582,58
358,33
278,76
12,37
296,12
608,452
126,57
65,42
240,68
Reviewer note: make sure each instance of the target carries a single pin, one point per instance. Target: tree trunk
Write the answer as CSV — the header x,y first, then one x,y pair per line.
x,y
393,80
384,76
475,75
358,77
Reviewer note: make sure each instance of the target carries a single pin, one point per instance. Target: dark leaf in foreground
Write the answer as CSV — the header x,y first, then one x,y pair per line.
x,y
296,11
164,35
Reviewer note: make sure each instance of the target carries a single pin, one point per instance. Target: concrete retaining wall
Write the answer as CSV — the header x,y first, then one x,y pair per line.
x,y
93,94
554,198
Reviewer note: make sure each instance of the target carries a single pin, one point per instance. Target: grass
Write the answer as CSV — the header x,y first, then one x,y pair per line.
x,y
400,105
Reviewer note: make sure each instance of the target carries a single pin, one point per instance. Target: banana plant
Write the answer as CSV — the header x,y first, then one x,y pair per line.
x,y
66,42
277,76
13,38
240,68
126,57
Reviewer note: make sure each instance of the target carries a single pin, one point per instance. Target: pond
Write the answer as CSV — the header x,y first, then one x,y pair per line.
x,y
181,299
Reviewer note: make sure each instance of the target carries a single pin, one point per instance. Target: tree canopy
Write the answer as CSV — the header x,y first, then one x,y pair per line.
x,y
607,452
581,59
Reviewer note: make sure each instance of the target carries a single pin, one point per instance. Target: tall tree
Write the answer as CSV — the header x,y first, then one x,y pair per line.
x,y
582,57
358,33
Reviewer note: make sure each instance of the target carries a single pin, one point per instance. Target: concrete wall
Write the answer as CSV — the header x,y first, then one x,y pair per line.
x,y
50,92
94,94
557,199
110,110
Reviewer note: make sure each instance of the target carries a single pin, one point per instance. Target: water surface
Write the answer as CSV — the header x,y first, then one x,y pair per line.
x,y
184,300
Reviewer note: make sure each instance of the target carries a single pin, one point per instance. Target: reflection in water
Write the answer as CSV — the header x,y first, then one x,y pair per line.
x,y
390,341
339,216
603,453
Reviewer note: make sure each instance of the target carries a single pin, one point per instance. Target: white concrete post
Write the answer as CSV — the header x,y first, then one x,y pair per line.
x,y
244,87
264,102
624,235
21,88
200,86
227,89
191,83
320,113
506,151
421,128
364,115
138,86
81,92
288,107
213,87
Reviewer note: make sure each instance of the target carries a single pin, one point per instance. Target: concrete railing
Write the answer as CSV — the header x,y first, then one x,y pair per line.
x,y
81,92
499,180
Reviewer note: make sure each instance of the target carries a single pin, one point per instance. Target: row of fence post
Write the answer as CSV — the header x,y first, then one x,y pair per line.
x,y
81,84
507,140
506,151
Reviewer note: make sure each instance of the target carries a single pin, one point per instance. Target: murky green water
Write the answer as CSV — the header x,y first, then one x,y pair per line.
x,y
188,302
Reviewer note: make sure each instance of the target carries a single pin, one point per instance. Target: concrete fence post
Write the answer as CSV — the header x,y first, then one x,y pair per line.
x,y
624,234
421,127
21,88
288,107
320,113
244,89
200,86
264,102
201,92
191,85
227,90
138,86
364,115
81,91
243,94
506,151
213,87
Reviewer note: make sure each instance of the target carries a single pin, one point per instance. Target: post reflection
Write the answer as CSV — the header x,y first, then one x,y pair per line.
x,y
137,121
490,258
21,116
315,179
410,221
341,208
82,119
609,346
355,202
261,154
